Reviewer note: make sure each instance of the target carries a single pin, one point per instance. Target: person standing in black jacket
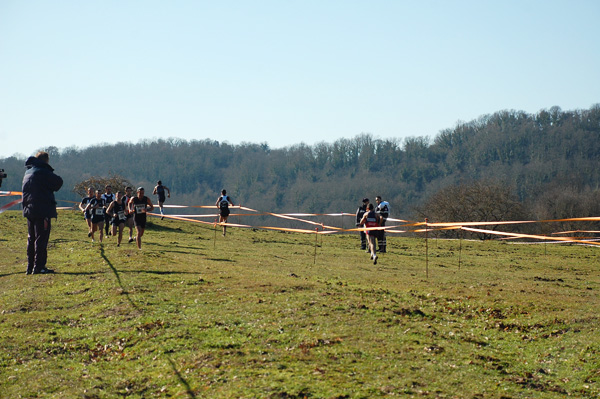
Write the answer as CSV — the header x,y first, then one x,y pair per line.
x,y
383,211
39,206
359,215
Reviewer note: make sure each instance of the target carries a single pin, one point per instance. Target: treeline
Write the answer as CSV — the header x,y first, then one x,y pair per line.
x,y
535,156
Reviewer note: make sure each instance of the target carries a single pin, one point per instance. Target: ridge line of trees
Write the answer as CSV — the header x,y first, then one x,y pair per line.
x,y
535,156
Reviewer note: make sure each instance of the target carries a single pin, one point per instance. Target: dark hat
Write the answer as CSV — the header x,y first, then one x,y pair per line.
x,y
365,200
141,188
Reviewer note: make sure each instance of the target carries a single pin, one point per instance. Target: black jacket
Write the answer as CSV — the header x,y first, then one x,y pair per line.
x,y
359,213
39,185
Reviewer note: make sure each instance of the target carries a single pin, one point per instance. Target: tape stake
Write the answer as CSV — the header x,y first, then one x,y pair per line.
x,y
316,237
426,249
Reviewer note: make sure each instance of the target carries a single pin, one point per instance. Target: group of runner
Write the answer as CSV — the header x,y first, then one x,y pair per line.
x,y
102,210
124,209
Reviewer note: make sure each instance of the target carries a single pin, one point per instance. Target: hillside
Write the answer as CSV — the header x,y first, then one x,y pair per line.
x,y
264,314
534,154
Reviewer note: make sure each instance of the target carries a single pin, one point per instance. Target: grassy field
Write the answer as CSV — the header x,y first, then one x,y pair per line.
x,y
257,315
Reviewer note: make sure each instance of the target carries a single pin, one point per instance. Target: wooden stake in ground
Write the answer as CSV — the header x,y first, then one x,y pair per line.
x,y
215,240
316,237
426,248
460,246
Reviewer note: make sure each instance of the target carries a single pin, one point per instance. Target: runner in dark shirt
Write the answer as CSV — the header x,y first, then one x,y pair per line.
x,y
223,203
108,197
87,215
371,219
160,191
140,205
96,208
116,211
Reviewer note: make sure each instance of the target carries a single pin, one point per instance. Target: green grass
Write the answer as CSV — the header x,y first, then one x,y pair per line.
x,y
256,315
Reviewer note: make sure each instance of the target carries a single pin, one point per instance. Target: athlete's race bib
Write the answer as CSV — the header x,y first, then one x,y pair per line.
x,y
121,215
99,211
140,209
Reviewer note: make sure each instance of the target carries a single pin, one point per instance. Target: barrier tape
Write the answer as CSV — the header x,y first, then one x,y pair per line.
x,y
326,229
577,231
531,236
10,205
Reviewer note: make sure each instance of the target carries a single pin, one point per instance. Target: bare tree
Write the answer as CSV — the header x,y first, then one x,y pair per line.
x,y
118,183
481,201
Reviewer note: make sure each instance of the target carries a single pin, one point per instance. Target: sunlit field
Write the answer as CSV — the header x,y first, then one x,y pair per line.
x,y
269,314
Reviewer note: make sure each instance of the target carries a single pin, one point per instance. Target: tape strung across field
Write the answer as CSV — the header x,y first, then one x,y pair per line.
x,y
320,228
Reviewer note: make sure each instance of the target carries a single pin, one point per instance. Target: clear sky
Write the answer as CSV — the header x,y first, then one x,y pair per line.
x,y
76,73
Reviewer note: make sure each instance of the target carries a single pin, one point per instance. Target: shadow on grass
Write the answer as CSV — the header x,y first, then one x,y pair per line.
x,y
80,273
62,240
160,245
116,272
160,272
180,378
150,226
171,362
11,274
183,252
220,260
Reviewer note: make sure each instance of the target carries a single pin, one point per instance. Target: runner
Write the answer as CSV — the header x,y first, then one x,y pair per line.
x,y
371,219
128,215
96,208
160,191
87,214
223,204
140,205
108,197
116,210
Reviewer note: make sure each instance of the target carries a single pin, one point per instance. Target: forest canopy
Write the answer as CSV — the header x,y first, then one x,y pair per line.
x,y
531,155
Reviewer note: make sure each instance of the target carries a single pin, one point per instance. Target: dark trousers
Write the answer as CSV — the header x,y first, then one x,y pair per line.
x,y
363,240
381,238
106,223
38,234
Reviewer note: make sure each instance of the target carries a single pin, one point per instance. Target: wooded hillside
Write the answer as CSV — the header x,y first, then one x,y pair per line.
x,y
539,156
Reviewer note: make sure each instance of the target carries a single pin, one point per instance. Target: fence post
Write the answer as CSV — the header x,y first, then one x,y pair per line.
x,y
316,237
215,239
460,247
426,248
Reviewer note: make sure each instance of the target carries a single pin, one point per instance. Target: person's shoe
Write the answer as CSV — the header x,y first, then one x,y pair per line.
x,y
43,271
162,218
130,239
89,234
375,260
29,271
363,248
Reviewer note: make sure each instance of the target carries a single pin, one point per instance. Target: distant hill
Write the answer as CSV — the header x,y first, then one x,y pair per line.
x,y
533,153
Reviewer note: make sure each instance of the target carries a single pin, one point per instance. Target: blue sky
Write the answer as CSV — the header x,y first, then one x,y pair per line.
x,y
79,73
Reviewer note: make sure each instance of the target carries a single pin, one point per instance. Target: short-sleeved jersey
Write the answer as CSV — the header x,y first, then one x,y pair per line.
x,y
84,202
383,209
108,198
